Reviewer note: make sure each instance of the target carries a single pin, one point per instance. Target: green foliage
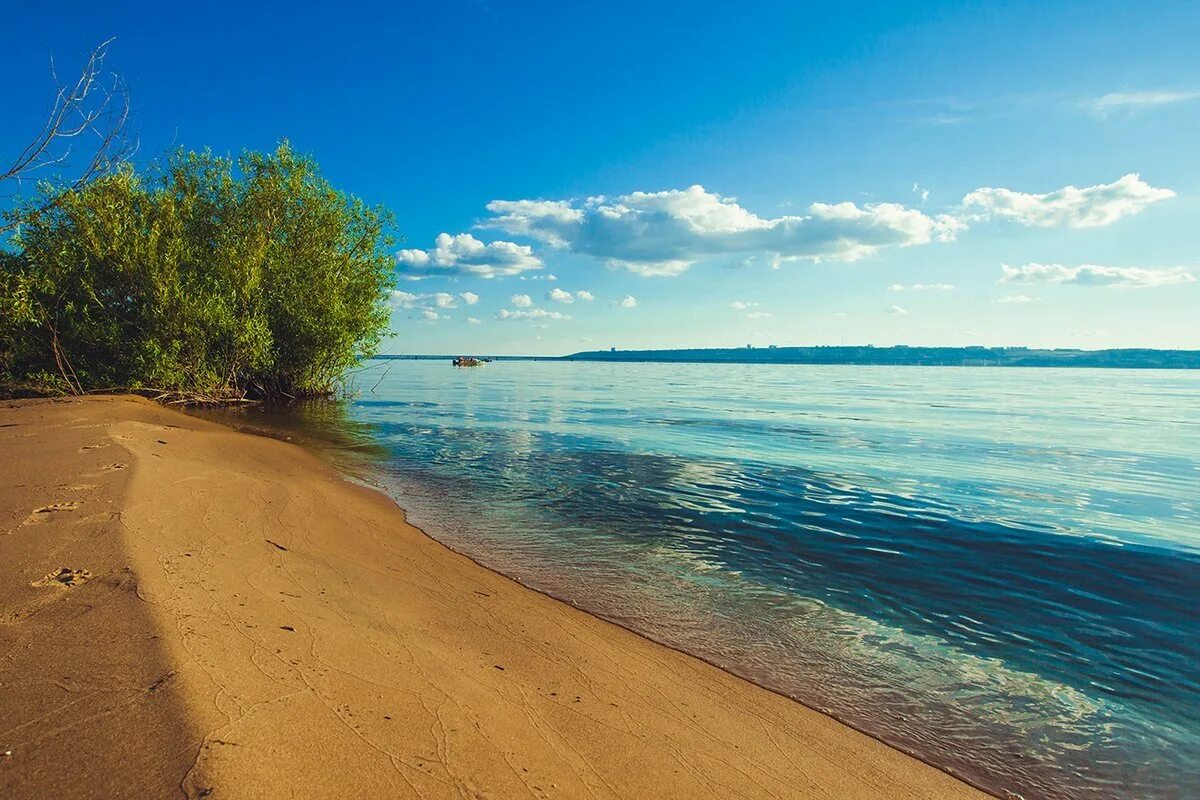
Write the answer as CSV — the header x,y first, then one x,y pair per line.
x,y
200,279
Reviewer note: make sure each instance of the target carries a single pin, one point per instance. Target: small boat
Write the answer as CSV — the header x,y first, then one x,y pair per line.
x,y
468,361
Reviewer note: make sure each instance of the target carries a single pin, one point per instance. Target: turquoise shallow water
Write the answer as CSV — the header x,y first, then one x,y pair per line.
x,y
996,569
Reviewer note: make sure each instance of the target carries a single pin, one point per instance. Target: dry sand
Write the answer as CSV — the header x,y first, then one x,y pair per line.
x,y
234,620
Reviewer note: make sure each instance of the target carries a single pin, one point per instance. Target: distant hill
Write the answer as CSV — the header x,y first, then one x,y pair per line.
x,y
911,356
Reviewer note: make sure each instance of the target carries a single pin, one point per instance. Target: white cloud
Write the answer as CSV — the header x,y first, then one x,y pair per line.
x,y
741,305
470,298
473,321
758,315
628,301
522,300
404,299
922,287
1093,275
1015,298
560,295
532,313
537,219
465,255
1135,101
425,302
1073,207
664,233
896,310
584,294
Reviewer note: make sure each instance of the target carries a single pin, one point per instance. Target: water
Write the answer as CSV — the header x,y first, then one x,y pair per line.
x,y
994,569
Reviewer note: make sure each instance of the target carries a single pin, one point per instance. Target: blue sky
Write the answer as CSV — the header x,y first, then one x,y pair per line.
x,y
709,174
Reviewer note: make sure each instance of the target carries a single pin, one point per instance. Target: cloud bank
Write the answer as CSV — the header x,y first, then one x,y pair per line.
x,y
465,255
529,313
1089,207
433,299
1094,275
665,233
429,303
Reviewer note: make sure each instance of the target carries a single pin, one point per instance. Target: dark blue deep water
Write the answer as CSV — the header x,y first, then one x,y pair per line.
x,y
995,569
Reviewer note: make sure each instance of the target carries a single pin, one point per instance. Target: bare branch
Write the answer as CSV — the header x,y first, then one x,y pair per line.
x,y
93,104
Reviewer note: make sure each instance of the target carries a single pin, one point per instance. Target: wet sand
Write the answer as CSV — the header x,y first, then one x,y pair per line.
x,y
236,620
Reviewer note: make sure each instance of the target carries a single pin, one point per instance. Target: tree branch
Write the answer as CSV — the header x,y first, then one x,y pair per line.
x,y
92,105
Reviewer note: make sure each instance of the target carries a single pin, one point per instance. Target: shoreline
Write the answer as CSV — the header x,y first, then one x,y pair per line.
x,y
673,648
398,665
378,487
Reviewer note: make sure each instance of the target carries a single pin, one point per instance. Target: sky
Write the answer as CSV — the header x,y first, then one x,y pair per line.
x,y
583,176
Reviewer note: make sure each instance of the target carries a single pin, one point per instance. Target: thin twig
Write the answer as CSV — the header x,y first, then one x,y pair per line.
x,y
87,106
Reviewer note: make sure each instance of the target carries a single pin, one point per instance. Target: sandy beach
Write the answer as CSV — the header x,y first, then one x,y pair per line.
x,y
186,610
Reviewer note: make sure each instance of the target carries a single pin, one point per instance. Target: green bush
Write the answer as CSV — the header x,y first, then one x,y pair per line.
x,y
198,279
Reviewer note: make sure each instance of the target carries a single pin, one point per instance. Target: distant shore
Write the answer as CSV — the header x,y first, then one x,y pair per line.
x,y
192,611
869,355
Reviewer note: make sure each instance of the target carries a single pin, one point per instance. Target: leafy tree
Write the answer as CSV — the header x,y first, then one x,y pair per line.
x,y
204,279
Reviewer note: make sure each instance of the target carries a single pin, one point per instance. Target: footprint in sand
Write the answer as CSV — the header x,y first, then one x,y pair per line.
x,y
87,447
46,513
65,576
66,505
102,471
